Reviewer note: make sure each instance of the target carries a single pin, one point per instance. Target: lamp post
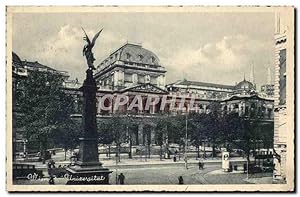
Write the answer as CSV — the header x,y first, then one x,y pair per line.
x,y
247,170
116,170
186,135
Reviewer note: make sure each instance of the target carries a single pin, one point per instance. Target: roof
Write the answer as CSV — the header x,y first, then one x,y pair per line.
x,y
135,52
199,83
37,65
16,61
40,67
248,96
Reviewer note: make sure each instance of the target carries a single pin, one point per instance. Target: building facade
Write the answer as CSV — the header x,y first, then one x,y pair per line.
x,y
133,70
280,104
136,72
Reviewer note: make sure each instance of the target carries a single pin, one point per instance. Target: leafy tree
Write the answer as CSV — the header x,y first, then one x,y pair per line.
x,y
168,129
105,134
67,135
197,127
130,126
45,107
160,130
117,130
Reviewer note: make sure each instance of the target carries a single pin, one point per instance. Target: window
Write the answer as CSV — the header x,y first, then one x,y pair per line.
x,y
153,80
147,79
134,78
282,77
128,56
152,59
246,110
141,79
269,113
128,77
141,57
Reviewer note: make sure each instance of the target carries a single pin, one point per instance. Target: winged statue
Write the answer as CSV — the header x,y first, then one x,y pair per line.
x,y
87,49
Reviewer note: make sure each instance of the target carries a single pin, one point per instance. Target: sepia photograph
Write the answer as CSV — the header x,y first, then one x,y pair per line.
x,y
161,98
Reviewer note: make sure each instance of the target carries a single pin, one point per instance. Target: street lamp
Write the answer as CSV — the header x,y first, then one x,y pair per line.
x,y
116,168
247,170
186,135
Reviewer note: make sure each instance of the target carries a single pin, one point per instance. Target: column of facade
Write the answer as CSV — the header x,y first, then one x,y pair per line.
x,y
240,109
204,108
152,134
140,133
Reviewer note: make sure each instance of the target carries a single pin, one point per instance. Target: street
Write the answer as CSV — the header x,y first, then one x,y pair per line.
x,y
154,171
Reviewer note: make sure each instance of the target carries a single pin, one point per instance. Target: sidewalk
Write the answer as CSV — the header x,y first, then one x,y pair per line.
x,y
142,162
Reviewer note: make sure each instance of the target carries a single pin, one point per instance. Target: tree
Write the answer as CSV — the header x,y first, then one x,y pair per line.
x,y
67,135
45,107
168,128
161,128
118,128
130,127
105,134
197,127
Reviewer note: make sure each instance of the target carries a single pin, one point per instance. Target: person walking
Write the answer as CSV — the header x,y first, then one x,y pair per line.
x,y
180,180
174,158
51,180
186,162
121,179
201,165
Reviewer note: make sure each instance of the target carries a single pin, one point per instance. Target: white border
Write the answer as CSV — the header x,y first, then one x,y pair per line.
x,y
103,2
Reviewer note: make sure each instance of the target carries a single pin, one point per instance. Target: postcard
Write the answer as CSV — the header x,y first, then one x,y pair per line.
x,y
153,98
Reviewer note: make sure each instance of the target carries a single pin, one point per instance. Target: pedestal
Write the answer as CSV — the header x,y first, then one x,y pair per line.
x,y
88,169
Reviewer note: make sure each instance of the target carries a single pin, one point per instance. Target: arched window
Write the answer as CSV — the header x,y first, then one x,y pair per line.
x,y
141,57
128,56
153,59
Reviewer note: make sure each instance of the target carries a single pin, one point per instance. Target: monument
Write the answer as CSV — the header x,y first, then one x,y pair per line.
x,y
88,169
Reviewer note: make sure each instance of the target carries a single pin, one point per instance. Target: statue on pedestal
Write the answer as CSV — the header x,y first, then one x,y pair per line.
x,y
88,169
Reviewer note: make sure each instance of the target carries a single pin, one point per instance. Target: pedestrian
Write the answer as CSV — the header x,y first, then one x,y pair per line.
x,y
186,162
174,158
201,165
51,163
180,180
51,180
121,179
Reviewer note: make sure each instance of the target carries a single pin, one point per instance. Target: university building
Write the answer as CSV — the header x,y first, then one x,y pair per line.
x,y
133,70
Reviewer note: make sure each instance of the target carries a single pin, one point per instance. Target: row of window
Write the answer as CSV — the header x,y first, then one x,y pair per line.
x,y
140,57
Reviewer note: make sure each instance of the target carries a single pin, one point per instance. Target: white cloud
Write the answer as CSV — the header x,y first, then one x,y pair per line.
x,y
63,50
229,53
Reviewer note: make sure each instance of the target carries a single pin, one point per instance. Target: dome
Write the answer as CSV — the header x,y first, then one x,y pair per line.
x,y
136,53
244,85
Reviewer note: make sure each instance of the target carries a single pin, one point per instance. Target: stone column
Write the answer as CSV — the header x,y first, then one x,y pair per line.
x,y
140,133
152,133
88,165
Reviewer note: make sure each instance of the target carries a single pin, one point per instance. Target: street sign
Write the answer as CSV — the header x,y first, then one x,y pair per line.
x,y
225,161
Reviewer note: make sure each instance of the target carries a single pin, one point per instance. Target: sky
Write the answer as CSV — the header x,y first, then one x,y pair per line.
x,y
208,47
